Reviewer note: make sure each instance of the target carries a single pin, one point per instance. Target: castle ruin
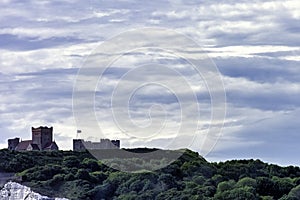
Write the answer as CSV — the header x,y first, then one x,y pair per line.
x,y
42,139
81,145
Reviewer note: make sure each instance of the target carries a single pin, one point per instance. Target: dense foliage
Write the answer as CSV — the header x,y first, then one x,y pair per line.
x,y
77,175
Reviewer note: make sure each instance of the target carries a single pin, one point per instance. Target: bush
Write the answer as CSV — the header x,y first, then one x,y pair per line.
x,y
295,192
69,177
82,174
77,175
247,182
225,185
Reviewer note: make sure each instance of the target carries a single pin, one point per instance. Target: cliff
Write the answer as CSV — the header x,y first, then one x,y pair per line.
x,y
16,191
5,177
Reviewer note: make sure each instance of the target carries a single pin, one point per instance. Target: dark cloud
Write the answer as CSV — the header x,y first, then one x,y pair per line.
x,y
264,99
35,91
258,69
274,140
15,43
48,73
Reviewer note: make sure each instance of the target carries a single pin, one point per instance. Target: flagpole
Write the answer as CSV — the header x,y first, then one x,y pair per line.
x,y
78,131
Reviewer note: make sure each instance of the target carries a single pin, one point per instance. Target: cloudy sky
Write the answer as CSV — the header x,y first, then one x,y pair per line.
x,y
255,46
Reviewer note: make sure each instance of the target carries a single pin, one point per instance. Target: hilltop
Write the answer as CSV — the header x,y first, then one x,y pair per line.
x,y
78,175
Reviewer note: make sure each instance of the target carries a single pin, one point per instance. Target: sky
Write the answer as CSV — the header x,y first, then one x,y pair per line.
x,y
254,45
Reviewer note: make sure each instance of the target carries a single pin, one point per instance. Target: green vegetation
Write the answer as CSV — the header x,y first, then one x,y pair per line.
x,y
77,175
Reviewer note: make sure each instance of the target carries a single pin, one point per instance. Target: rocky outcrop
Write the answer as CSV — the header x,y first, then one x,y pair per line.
x,y
5,177
16,191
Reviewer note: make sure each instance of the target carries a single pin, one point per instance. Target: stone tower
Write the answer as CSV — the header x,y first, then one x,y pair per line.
x,y
42,136
78,145
13,143
116,143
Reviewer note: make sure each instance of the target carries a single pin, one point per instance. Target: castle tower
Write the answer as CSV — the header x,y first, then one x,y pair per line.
x,y
13,143
116,144
78,145
42,136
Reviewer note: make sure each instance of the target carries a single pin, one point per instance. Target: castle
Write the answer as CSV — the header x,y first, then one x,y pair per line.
x,y
80,144
42,139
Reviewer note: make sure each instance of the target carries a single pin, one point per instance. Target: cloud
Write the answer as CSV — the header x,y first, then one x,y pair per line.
x,y
13,43
269,96
255,45
271,139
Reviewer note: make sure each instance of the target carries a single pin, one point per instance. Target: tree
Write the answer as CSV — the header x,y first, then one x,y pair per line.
x,y
71,161
244,193
282,186
295,192
225,185
82,174
247,181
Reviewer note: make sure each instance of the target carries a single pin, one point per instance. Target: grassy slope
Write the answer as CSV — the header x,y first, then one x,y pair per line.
x,y
77,175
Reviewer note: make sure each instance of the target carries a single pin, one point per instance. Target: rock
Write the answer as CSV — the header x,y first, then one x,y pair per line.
x,y
5,177
16,191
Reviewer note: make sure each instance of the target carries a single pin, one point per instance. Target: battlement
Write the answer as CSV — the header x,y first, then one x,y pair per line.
x,y
80,144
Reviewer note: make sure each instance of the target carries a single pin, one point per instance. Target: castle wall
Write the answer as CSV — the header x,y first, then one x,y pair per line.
x,y
79,144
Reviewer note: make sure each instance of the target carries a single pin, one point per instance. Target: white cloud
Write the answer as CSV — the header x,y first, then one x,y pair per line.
x,y
255,45
248,51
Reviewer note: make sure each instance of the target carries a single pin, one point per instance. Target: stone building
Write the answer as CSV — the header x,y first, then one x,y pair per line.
x,y
80,144
42,139
13,143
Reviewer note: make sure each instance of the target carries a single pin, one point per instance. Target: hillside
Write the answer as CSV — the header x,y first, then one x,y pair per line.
x,y
77,175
